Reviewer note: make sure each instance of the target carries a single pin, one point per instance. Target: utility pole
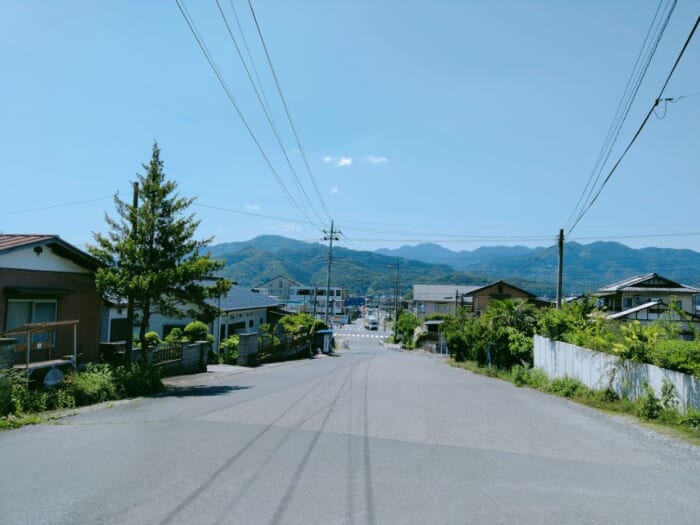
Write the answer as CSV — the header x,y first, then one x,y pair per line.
x,y
129,298
396,300
560,273
329,236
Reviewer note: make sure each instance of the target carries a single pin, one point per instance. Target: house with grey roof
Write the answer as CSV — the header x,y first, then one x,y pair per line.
x,y
646,298
242,311
431,299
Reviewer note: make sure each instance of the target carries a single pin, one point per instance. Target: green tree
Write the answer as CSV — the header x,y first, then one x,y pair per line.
x,y
150,254
406,325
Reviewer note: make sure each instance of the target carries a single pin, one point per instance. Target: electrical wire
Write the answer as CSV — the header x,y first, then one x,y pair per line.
x,y
639,130
286,108
232,100
628,96
250,57
52,206
267,113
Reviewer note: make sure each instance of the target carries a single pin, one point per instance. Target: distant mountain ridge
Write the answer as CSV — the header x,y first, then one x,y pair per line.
x,y
586,267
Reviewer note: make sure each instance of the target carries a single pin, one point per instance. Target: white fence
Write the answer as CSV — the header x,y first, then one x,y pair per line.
x,y
598,370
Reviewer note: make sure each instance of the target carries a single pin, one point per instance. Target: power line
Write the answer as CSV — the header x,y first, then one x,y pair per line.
x,y
639,130
232,100
52,206
286,109
623,108
250,57
267,113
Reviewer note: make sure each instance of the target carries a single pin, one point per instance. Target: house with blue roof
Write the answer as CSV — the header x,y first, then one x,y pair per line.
x,y
242,311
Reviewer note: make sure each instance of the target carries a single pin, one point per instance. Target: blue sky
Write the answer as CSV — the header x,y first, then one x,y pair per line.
x,y
458,122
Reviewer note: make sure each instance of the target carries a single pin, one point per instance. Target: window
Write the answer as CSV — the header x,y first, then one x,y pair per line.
x,y
23,311
627,302
251,323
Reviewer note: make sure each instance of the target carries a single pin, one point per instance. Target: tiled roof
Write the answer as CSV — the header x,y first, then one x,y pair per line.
x,y
239,298
10,242
632,285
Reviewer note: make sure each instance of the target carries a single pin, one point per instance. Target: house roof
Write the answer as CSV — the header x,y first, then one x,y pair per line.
x,y
239,298
480,288
291,281
439,292
11,242
638,308
636,284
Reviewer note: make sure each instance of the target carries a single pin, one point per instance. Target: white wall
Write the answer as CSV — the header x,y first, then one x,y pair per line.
x,y
46,261
596,370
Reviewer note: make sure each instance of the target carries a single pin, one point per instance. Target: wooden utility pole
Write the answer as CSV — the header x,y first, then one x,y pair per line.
x,y
560,273
330,236
129,298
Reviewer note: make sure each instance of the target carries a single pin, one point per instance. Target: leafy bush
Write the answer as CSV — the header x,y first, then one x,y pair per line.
x,y
691,418
137,380
683,356
566,386
175,335
196,331
648,405
228,350
526,376
94,385
152,339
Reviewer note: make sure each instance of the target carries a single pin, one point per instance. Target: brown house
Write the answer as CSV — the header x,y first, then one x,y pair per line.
x,y
43,279
501,290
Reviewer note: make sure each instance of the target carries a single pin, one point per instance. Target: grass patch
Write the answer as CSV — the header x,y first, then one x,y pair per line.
x,y
659,413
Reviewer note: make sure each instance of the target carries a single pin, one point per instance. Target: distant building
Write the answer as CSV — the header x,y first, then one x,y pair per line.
x,y
646,298
499,290
279,287
429,299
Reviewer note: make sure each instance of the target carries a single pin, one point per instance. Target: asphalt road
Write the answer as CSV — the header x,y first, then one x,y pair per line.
x,y
373,435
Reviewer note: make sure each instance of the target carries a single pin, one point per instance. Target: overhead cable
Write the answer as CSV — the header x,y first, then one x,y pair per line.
x,y
286,108
639,130
639,70
268,115
232,100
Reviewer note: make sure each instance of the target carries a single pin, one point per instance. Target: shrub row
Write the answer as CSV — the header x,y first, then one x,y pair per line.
x,y
99,382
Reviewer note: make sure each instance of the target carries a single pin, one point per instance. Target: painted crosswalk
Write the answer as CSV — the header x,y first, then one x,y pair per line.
x,y
356,334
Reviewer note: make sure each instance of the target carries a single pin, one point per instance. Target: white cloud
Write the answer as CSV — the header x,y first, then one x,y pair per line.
x,y
343,161
334,189
327,159
373,159
252,207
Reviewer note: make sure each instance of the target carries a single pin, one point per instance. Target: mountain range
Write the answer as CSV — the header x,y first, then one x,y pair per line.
x,y
586,267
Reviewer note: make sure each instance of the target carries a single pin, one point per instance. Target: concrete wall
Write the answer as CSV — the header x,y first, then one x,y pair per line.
x,y
599,370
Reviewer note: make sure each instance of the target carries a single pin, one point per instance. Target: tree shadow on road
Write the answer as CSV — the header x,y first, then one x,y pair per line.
x,y
202,390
